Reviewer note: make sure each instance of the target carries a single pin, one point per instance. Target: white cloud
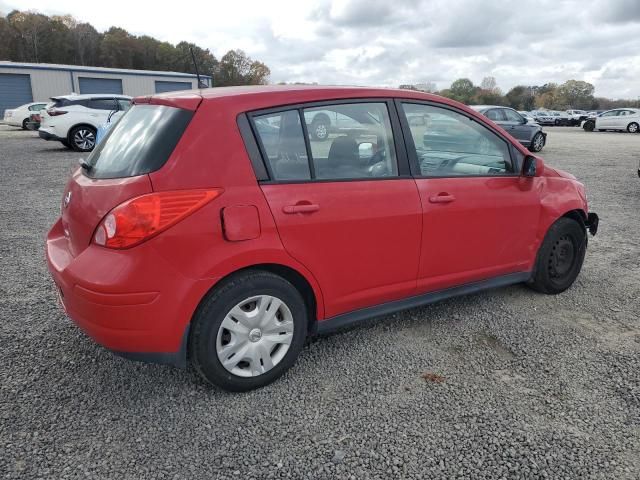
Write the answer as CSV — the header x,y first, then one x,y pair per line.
x,y
389,42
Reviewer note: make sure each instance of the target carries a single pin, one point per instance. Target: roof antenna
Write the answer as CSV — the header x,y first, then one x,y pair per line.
x,y
195,64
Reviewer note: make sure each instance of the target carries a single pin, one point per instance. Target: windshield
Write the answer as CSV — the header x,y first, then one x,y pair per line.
x,y
140,142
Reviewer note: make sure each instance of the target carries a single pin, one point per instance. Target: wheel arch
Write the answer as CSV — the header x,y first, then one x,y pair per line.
x,y
307,288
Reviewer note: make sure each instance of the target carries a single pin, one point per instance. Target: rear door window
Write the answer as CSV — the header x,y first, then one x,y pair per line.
x,y
283,144
140,142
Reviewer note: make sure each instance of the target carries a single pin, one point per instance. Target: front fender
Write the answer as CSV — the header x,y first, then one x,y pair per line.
x,y
558,197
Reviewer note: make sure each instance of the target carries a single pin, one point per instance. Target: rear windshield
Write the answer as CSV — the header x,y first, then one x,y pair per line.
x,y
140,142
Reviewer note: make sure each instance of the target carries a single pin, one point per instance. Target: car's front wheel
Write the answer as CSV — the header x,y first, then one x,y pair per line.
x,y
82,138
633,127
589,126
560,257
537,142
248,331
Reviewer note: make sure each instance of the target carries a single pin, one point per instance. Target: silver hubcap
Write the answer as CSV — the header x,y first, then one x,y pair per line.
x,y
84,139
321,131
255,336
537,143
633,128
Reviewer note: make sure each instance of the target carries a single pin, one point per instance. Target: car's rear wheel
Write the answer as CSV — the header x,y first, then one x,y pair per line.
x,y
82,138
24,124
248,332
537,143
560,257
633,127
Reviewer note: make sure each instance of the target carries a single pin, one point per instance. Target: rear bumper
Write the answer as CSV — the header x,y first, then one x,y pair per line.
x,y
129,301
49,136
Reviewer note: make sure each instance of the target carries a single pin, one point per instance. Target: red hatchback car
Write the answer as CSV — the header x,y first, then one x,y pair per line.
x,y
211,226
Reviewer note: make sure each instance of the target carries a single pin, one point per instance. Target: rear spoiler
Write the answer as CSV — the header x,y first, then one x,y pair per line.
x,y
186,101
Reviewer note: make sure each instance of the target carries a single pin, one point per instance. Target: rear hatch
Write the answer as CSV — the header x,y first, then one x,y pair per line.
x,y
117,170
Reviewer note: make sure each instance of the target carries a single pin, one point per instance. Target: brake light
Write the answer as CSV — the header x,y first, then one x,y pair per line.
x,y
141,218
55,113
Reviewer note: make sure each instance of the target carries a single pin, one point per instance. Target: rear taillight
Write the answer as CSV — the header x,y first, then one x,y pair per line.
x,y
141,218
54,113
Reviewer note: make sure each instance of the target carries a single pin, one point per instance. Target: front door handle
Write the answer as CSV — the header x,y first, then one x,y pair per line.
x,y
301,208
442,197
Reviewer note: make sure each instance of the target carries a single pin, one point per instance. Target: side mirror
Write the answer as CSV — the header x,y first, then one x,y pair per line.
x,y
533,166
365,150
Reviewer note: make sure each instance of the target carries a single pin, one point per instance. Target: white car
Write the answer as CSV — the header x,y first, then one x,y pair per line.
x,y
619,119
73,120
19,117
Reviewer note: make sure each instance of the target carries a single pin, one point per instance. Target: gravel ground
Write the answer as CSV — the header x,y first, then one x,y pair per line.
x,y
518,384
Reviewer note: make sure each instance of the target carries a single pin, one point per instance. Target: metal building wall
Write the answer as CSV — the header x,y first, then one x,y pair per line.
x,y
45,83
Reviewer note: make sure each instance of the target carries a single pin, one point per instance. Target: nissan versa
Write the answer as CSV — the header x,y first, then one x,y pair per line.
x,y
210,226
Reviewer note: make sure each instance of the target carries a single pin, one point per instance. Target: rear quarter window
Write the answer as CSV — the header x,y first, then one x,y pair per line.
x,y
140,142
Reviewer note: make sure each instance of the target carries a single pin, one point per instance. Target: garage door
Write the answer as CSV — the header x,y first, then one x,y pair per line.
x,y
162,86
100,85
15,90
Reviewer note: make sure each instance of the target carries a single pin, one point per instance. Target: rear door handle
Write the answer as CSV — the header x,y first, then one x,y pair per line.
x,y
442,198
301,208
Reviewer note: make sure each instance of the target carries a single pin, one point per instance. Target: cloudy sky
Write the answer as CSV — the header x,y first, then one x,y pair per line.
x,y
390,42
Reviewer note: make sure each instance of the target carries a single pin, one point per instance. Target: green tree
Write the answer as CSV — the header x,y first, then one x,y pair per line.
x,y
235,68
520,97
462,90
575,94
117,48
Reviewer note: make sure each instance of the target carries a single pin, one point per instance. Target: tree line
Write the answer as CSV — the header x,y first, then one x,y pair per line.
x,y
572,94
27,36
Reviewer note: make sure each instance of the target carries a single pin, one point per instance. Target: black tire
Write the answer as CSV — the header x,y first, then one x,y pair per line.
x,y
211,313
65,143
537,142
633,127
76,136
560,257
24,124
589,126
320,128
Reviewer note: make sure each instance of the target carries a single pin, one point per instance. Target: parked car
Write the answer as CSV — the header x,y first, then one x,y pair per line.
x,y
36,117
19,117
73,120
528,133
184,235
576,117
528,116
322,123
622,119
560,118
543,117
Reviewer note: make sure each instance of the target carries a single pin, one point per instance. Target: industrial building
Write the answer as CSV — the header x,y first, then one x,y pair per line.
x,y
22,83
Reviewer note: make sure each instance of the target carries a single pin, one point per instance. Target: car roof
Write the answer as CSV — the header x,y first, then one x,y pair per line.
x,y
486,107
88,96
248,98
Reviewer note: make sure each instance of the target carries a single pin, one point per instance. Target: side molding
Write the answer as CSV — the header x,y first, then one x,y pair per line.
x,y
355,317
